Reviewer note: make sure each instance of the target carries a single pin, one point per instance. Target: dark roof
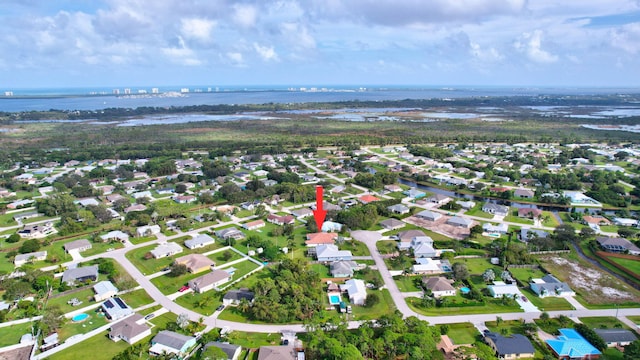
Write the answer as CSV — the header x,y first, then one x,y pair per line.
x,y
515,344
228,349
239,295
616,335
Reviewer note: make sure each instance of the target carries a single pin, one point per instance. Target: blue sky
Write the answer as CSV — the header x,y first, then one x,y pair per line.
x,y
66,43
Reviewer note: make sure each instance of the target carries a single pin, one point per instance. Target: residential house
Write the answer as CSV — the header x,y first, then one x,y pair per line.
x,y
50,342
26,215
22,259
131,329
625,222
184,199
550,286
495,209
231,351
438,199
330,252
458,221
234,297
280,352
115,309
77,245
366,199
281,220
524,193
165,250
342,268
515,346
81,274
439,286
253,225
392,188
528,234
356,290
36,230
490,228
595,220
148,230
135,207
104,290
422,247
116,235
500,289
616,337
230,233
618,245
302,213
571,345
209,281
430,266
415,193
315,239
529,213
398,209
428,215
392,224
169,342
195,263
201,240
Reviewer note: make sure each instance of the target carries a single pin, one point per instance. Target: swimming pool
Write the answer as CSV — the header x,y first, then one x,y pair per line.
x,y
465,290
80,317
334,299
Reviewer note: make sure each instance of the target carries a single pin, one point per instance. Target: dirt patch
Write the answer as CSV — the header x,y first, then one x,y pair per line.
x,y
595,285
440,226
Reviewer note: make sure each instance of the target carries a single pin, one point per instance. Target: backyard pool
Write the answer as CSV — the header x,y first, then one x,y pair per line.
x,y
465,290
80,317
334,299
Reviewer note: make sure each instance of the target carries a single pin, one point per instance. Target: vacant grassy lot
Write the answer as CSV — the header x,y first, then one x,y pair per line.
x,y
491,306
632,265
603,322
407,283
463,333
10,335
137,298
98,347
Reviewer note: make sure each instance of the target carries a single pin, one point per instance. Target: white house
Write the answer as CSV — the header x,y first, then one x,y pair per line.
x,y
148,230
22,259
166,249
500,289
104,290
209,281
330,252
550,286
201,240
131,329
357,291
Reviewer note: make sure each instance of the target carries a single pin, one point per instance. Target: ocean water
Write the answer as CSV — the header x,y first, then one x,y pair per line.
x,y
101,98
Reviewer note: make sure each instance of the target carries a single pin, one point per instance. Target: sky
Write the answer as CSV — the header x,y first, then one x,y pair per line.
x,y
81,43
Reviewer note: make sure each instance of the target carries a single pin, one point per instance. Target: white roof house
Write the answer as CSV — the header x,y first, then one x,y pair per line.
x,y
148,230
104,290
22,259
166,249
500,289
115,235
201,240
330,252
501,228
357,291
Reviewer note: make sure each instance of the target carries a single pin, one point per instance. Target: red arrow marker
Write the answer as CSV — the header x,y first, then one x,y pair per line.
x,y
319,213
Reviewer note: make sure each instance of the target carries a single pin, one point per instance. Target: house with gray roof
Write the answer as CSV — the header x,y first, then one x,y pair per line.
x,y
515,346
116,235
104,290
330,252
617,245
165,250
495,209
87,273
342,268
230,233
201,240
616,337
398,209
234,297
428,215
78,245
208,281
550,286
131,329
392,224
22,259
280,352
169,342
458,221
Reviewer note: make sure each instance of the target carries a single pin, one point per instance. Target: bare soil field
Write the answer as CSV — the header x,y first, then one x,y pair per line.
x,y
440,226
595,285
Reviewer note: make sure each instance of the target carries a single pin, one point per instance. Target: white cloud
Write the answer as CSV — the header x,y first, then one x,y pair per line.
x,y
531,45
235,58
627,38
181,54
267,53
245,15
485,54
197,28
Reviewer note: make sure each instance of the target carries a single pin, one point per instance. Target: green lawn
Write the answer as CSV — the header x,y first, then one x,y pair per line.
x,y
220,257
253,340
551,219
148,266
491,306
478,265
71,328
205,303
321,269
462,333
407,283
632,265
549,303
384,307
510,326
523,274
477,211
357,248
168,285
387,246
137,298
10,335
603,322
514,218
612,354
85,295
98,347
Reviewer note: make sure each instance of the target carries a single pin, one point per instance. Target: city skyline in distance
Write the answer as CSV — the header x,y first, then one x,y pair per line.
x,y
283,43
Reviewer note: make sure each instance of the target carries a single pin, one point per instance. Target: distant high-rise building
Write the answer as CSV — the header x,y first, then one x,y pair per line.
x,y
184,90
127,91
8,93
155,91
116,91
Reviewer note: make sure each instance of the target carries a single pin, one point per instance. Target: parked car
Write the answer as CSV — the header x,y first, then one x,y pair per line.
x,y
150,316
220,308
184,288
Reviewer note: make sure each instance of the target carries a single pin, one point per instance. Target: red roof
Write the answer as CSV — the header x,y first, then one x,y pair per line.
x,y
365,199
320,238
499,189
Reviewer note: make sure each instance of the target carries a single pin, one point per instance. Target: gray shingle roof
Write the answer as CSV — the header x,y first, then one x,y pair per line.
x,y
171,339
515,344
